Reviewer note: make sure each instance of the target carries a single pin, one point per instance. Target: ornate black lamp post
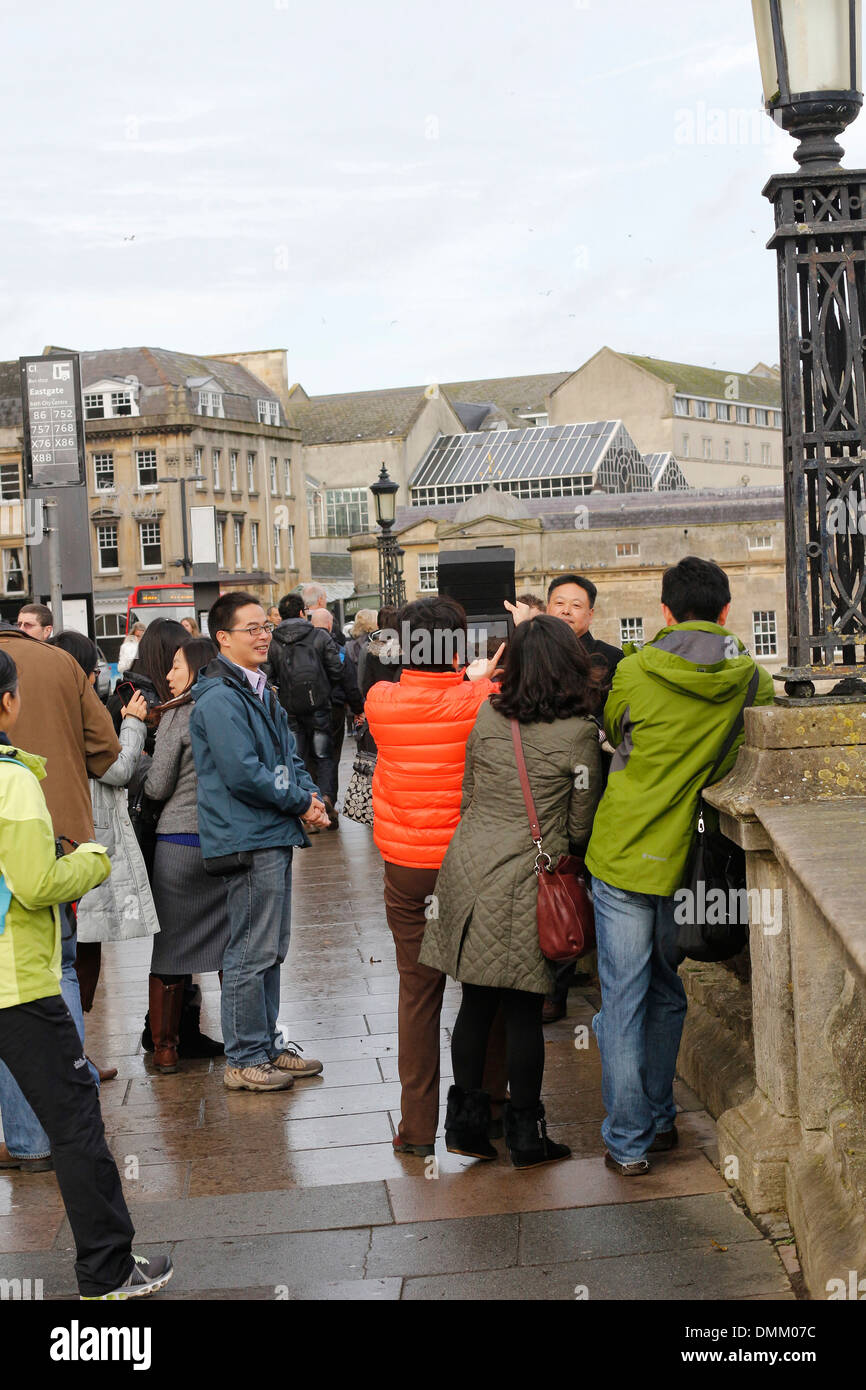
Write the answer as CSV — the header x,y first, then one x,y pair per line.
x,y
391,589
810,54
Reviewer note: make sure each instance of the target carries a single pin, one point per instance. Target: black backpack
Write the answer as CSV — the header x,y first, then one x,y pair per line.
x,y
302,683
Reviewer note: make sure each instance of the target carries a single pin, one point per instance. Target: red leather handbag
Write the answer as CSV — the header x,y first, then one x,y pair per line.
x,y
566,921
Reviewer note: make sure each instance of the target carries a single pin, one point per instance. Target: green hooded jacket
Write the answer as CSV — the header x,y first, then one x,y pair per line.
x,y
670,708
37,881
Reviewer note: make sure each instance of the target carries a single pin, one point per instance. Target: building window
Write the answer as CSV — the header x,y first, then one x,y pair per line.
x,y
239,544
428,570
251,473
254,544
211,403
685,448
723,412
777,419
727,448
291,547
287,465
631,630
273,474
346,510
747,452
765,455
278,557
760,542
145,462
702,410
742,414
221,545
198,463
269,413
216,457
110,630
761,417
151,545
233,470
13,571
10,483
106,405
681,405
708,448
764,624
106,546
627,548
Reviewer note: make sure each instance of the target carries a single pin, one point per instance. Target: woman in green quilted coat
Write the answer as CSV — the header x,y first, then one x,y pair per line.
x,y
482,929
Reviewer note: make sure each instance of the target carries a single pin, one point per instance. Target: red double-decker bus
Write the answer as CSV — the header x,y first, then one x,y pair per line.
x,y
150,601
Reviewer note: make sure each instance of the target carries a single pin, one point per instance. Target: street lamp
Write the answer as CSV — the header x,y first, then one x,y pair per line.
x,y
809,51
810,64
186,562
391,588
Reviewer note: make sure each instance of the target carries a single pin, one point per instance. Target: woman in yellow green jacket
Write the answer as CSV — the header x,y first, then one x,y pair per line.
x,y
38,1039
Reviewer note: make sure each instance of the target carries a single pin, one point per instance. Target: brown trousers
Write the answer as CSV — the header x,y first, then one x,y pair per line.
x,y
407,894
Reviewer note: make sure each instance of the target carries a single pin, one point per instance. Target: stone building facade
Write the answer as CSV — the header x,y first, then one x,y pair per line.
x,y
623,543
724,428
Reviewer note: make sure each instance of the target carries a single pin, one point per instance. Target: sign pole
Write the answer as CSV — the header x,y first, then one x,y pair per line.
x,y
52,536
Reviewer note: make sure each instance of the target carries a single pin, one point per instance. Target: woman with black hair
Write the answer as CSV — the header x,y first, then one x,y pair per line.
x,y
485,932
149,673
190,903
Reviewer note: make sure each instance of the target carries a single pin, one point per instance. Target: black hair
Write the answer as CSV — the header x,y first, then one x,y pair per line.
x,y
8,675
156,653
291,606
548,675
219,619
577,579
78,646
695,590
387,617
198,652
435,632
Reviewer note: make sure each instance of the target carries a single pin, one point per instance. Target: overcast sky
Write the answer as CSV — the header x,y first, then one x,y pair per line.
x,y
394,193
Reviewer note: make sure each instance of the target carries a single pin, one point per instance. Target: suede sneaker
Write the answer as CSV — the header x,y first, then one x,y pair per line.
x,y
667,1139
638,1169
290,1060
262,1077
146,1276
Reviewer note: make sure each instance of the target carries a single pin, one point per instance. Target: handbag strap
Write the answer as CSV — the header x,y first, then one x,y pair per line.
x,y
534,826
736,726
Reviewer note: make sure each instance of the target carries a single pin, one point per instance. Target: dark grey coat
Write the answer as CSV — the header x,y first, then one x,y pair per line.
x,y
482,928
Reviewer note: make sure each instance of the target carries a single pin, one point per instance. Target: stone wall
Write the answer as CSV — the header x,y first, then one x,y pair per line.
x,y
781,1061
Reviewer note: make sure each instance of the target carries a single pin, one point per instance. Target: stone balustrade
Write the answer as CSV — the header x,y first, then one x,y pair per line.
x,y
775,1044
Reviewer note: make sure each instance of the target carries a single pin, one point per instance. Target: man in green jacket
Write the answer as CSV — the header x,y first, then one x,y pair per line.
x,y
670,709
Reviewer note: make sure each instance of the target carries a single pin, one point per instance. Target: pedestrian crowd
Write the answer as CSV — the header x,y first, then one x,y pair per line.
x,y
173,813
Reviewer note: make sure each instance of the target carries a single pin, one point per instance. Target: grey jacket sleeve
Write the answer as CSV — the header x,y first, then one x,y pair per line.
x,y
165,766
331,660
132,736
586,785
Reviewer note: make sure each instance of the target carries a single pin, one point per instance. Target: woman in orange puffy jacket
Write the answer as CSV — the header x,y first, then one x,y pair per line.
x,y
421,724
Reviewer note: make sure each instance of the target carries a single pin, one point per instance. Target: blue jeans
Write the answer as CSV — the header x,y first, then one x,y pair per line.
x,y
22,1132
643,1008
260,911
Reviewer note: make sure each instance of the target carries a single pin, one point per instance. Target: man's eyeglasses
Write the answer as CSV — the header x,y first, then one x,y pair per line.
x,y
254,629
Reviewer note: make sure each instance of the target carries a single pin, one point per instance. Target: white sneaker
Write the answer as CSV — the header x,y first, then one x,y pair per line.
x,y
262,1077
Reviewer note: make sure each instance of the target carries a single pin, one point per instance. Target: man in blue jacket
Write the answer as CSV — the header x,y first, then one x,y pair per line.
x,y
254,799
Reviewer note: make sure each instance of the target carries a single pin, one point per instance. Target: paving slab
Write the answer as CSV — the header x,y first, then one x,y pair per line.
x,y
442,1247
276,1260
704,1222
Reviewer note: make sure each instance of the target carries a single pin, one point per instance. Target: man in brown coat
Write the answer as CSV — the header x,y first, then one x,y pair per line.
x,y
62,719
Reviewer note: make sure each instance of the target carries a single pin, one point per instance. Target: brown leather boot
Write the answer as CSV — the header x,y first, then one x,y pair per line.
x,y
165,1002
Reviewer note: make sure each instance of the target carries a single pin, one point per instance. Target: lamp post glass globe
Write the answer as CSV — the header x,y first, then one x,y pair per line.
x,y
810,57
384,492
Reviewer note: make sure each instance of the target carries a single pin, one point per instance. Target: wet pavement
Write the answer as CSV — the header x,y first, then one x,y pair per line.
x,y
299,1194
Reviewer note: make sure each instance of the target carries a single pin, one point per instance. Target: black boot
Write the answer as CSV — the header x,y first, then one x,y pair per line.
x,y
526,1137
146,1035
192,1041
466,1123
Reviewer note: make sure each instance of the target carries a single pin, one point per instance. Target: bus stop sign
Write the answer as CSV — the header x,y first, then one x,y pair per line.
x,y
53,420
